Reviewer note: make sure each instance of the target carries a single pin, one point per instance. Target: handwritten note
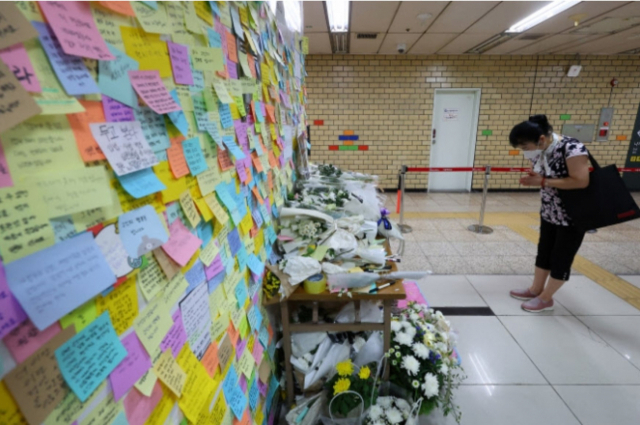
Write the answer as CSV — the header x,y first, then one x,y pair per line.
x,y
148,49
162,410
150,88
152,325
180,63
194,156
132,368
16,105
138,408
221,91
169,267
80,317
54,281
207,59
73,24
11,313
197,320
122,305
169,372
177,161
124,146
87,146
106,412
152,20
210,359
154,128
18,61
14,27
225,352
146,384
182,244
113,77
151,279
189,208
141,231
141,183
36,384
25,339
176,337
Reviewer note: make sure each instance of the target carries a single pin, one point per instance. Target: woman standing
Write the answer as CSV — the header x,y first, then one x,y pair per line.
x,y
559,162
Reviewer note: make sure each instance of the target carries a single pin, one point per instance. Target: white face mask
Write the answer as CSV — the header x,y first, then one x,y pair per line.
x,y
531,155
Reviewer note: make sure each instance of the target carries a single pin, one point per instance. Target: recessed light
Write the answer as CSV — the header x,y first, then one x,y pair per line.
x,y
424,16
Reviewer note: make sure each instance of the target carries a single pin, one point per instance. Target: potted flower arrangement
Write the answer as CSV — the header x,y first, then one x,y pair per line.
x,y
388,411
423,359
348,379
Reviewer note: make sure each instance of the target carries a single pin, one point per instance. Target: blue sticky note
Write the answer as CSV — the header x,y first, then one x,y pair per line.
x,y
215,282
256,266
230,143
234,241
231,379
71,71
214,8
198,81
151,4
225,197
225,115
242,258
141,183
194,156
200,112
121,419
235,217
263,336
153,127
195,275
90,356
178,118
56,280
264,213
141,231
255,318
236,400
241,293
259,117
113,77
257,217
205,232
212,130
254,395
214,38
63,228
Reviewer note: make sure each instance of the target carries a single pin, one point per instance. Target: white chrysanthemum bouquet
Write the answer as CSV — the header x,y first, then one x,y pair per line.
x,y
388,411
423,358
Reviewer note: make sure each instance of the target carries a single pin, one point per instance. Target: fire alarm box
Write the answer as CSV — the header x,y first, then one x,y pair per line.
x,y
604,125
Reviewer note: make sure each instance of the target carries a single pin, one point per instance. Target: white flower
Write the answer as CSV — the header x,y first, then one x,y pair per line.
x,y
384,402
394,415
379,423
398,354
411,331
414,316
430,386
403,405
396,326
403,338
421,350
444,369
411,365
375,412
415,384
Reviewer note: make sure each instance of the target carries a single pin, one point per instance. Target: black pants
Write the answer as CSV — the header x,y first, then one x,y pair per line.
x,y
557,248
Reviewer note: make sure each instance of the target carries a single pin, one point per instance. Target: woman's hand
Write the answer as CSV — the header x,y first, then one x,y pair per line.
x,y
532,179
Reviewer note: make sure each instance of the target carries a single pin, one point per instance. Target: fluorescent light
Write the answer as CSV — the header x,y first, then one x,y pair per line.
x,y
338,11
542,15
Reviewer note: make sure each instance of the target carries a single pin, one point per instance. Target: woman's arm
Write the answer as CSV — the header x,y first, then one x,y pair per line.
x,y
578,176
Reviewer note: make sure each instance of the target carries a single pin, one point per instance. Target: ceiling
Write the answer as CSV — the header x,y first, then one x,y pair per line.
x,y
455,27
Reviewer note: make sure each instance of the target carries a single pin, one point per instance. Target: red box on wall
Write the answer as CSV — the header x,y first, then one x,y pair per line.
x,y
318,122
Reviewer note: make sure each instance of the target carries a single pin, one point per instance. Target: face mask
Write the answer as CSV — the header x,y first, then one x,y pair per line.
x,y
531,155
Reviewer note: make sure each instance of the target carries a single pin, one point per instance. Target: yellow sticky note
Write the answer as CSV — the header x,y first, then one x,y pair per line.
x,y
235,114
30,10
24,226
204,11
69,409
152,325
146,383
122,304
249,244
80,317
204,209
239,103
207,58
168,371
246,363
152,20
259,417
247,223
219,410
189,208
105,412
174,187
109,24
217,210
219,327
208,180
151,279
198,388
208,254
174,290
9,412
150,52
162,409
190,17
244,327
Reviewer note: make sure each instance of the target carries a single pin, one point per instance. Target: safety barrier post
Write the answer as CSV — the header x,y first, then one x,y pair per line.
x,y
480,228
404,228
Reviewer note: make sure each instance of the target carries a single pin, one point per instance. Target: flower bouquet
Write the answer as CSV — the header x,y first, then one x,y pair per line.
x,y
388,411
423,358
347,381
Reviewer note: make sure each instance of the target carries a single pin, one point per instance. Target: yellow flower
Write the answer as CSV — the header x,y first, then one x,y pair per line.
x,y
365,372
345,368
341,385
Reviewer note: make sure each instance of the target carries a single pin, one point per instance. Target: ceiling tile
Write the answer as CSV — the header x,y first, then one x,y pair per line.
x,y
561,21
608,45
462,43
504,15
391,41
319,43
459,15
545,45
369,16
314,17
408,12
429,43
363,45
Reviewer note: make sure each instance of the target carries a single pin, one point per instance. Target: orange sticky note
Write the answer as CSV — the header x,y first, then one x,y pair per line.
x,y
224,160
257,194
93,112
271,113
231,47
177,161
256,162
245,419
121,7
210,359
233,334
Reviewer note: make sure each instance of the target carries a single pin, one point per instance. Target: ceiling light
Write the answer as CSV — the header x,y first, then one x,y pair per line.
x,y
542,15
338,11
422,17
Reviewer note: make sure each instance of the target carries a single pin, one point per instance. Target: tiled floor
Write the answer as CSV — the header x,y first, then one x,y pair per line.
x,y
579,364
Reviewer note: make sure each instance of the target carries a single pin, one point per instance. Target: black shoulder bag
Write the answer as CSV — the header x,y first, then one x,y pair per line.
x,y
606,201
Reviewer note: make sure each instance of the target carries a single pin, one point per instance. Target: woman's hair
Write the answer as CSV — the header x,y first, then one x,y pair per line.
x,y
530,131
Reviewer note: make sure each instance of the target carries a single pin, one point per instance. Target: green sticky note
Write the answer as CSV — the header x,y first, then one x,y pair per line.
x,y
565,117
320,252
487,132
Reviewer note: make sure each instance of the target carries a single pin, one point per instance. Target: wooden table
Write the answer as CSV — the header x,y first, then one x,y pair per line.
x,y
387,295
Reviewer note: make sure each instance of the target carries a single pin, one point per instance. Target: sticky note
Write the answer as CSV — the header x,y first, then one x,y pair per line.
x,y
26,339
146,384
124,146
180,63
148,49
153,20
87,146
169,267
209,253
152,324
151,279
153,127
189,208
12,313
5,175
36,384
177,161
80,317
122,305
169,372
141,231
199,386
194,156
175,289
162,410
230,143
112,248
113,77
71,272
182,244
15,103
14,27
197,320
18,62
132,368
210,359
176,337
115,111
106,412
138,407
150,88
141,183
225,352
178,118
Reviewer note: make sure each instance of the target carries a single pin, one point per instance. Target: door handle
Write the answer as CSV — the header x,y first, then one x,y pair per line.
x,y
433,136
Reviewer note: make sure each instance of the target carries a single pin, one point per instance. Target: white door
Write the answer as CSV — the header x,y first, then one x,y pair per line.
x,y
453,137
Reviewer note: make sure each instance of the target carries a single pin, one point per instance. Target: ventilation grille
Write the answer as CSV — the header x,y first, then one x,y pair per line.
x,y
531,37
367,35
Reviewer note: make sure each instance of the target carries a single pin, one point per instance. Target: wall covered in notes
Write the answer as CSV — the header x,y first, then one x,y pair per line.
x,y
145,149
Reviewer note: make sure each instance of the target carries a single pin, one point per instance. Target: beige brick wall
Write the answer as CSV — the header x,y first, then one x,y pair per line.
x,y
388,101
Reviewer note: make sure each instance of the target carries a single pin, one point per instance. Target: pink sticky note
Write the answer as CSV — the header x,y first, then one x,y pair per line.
x,y
73,24
180,63
262,387
5,181
242,172
413,294
115,111
232,69
182,244
257,352
150,88
242,382
16,58
25,339
242,344
176,337
12,313
131,369
138,408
